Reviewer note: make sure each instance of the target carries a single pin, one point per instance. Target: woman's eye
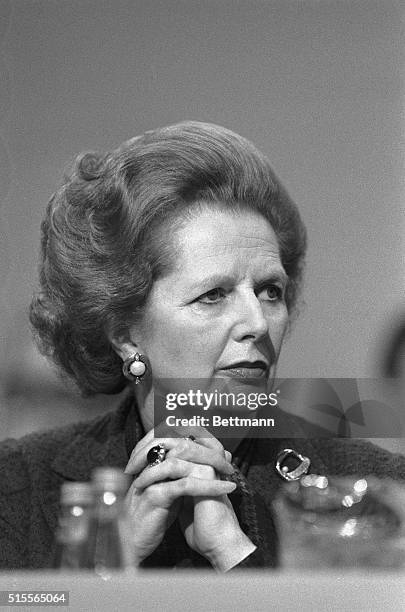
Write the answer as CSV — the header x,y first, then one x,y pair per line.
x,y
211,297
271,293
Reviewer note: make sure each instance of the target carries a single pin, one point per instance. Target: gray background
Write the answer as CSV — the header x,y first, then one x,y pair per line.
x,y
318,86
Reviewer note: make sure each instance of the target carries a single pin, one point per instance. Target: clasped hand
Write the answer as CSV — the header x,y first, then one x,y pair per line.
x,y
186,485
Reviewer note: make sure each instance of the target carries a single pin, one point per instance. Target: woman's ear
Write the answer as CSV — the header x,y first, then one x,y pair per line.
x,y
135,365
123,345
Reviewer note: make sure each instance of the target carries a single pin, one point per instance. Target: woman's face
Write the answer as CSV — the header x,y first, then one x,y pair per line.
x,y
221,312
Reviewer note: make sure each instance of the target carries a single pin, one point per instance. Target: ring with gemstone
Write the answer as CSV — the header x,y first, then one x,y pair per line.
x,y
156,455
190,437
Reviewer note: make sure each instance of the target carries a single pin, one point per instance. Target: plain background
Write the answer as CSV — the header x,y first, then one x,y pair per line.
x,y
317,86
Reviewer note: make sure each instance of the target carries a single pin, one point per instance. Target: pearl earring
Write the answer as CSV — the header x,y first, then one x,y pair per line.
x,y
134,368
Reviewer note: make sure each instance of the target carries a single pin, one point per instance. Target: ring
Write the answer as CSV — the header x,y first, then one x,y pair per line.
x,y
156,455
192,438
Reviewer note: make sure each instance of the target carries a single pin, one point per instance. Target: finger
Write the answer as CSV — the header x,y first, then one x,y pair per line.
x,y
162,432
164,493
205,438
171,469
201,455
228,456
217,446
185,448
138,459
201,434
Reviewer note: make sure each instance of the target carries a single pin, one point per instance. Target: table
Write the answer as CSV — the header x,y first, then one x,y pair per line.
x,y
183,591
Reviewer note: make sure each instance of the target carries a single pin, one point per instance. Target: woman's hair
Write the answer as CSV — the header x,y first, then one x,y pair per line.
x,y
107,235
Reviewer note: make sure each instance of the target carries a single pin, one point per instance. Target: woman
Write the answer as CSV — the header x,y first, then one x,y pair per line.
x,y
177,256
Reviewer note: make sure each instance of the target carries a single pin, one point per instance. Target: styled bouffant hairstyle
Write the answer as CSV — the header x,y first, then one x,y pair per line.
x,y
107,235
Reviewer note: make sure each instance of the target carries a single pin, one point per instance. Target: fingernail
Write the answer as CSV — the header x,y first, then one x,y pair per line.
x,y
232,486
228,480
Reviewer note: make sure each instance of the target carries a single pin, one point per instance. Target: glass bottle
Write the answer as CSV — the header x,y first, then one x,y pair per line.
x,y
108,547
76,499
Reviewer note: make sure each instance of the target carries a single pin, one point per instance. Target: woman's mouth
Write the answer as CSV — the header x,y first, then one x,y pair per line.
x,y
246,369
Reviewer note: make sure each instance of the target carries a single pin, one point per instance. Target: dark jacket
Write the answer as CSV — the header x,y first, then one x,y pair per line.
x,y
33,468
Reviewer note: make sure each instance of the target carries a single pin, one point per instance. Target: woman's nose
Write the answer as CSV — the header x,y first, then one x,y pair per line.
x,y
250,319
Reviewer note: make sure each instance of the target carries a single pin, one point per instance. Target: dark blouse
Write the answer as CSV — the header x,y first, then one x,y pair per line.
x,y
33,468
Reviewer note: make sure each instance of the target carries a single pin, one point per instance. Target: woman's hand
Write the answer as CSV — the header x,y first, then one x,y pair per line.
x,y
211,527
155,496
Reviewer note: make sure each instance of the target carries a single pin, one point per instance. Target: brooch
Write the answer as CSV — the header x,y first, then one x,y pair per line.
x,y
295,474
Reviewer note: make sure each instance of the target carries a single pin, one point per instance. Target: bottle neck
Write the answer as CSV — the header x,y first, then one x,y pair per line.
x,y
108,504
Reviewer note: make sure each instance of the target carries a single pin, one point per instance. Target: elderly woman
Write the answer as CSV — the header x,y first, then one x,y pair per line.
x,y
178,255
